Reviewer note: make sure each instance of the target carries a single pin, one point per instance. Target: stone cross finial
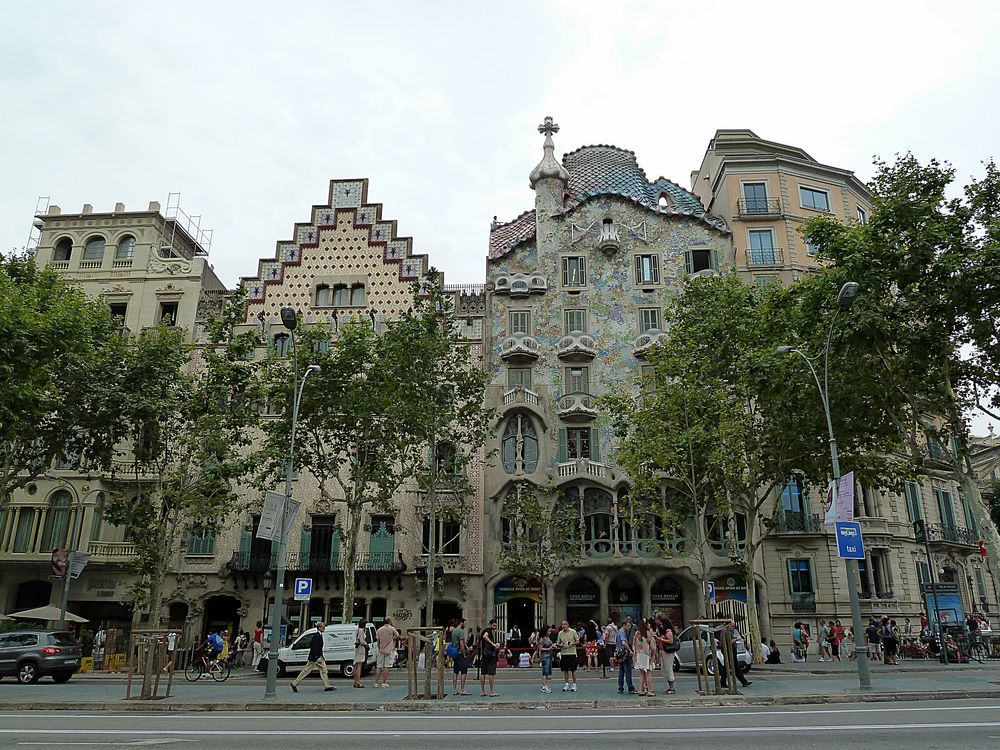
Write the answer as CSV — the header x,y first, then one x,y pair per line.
x,y
548,127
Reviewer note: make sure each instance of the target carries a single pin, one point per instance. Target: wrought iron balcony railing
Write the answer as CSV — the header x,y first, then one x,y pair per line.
x,y
764,257
798,523
365,562
805,602
757,206
952,535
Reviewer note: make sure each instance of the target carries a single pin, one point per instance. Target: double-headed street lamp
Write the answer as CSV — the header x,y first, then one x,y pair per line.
x,y
289,320
845,299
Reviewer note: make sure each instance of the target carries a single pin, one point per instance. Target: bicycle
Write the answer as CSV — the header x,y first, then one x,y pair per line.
x,y
198,668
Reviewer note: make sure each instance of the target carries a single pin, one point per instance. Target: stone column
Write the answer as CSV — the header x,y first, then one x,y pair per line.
x,y
602,583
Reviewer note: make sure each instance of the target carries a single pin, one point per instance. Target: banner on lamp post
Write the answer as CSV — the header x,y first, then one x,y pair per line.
x,y
840,504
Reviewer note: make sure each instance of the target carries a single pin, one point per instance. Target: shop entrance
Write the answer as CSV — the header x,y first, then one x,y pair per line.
x,y
583,602
666,596
515,601
222,614
625,599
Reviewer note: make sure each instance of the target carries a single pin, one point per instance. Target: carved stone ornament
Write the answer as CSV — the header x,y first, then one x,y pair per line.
x,y
171,267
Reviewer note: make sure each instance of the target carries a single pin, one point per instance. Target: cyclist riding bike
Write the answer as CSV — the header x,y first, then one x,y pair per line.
x,y
212,648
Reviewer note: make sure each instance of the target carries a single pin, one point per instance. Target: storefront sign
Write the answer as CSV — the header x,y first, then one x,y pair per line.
x,y
666,593
518,588
582,599
730,587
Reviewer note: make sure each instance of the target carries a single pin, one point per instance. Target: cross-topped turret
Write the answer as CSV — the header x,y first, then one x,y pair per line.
x,y
548,167
548,127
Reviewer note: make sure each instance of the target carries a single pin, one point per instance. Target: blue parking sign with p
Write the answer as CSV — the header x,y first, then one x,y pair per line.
x,y
303,589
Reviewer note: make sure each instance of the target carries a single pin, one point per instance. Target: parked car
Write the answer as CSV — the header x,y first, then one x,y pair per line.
x,y
338,650
30,654
684,658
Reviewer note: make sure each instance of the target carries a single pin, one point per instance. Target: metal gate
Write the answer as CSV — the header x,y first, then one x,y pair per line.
x,y
738,611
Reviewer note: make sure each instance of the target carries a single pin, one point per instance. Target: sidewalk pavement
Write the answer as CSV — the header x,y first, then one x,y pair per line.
x,y
518,690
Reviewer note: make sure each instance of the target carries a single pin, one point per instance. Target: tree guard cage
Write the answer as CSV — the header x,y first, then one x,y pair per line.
x,y
149,656
710,680
423,640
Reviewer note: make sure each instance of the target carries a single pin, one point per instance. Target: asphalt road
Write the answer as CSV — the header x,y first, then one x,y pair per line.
x,y
944,724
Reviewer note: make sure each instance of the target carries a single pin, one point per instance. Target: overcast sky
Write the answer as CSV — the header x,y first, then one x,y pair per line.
x,y
249,108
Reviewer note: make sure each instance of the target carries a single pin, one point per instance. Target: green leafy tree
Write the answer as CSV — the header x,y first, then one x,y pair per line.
x,y
540,538
373,415
451,423
722,423
59,352
185,430
928,266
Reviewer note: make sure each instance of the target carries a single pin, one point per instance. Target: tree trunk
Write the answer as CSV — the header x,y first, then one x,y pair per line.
x,y
701,541
350,562
753,617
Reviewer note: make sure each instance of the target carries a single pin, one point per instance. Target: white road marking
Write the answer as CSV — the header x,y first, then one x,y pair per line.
x,y
492,715
451,732
130,743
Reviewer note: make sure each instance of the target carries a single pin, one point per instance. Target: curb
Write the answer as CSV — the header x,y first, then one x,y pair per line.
x,y
522,705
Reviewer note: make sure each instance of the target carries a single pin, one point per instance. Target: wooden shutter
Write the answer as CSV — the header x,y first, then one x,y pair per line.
x,y
335,551
305,546
563,440
688,262
595,444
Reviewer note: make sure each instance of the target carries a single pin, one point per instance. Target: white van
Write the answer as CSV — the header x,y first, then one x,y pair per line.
x,y
338,650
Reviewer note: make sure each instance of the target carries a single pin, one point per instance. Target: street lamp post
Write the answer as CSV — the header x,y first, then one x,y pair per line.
x,y
74,543
289,319
844,301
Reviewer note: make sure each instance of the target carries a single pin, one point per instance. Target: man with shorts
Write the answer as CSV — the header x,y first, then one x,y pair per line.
x,y
488,658
461,657
567,642
386,637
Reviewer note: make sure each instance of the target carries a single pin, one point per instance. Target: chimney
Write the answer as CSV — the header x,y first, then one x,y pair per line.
x,y
54,210
154,206
87,208
119,208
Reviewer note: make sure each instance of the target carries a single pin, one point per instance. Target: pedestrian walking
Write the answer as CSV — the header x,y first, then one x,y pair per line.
x,y
545,649
315,661
730,633
460,657
874,640
258,644
623,656
667,644
643,647
488,658
836,638
567,641
610,642
590,645
824,641
168,668
386,637
360,651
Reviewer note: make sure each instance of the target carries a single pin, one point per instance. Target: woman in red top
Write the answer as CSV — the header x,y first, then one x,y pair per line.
x,y
836,636
590,646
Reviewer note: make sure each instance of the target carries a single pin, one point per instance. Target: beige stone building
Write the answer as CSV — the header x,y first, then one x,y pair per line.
x,y
765,191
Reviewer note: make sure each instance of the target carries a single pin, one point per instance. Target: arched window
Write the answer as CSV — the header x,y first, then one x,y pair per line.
x,y
282,345
519,446
98,521
357,295
94,248
64,248
55,535
126,248
341,296
324,296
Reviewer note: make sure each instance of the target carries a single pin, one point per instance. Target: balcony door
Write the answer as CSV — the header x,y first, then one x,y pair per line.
x,y
761,250
382,543
324,550
755,197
